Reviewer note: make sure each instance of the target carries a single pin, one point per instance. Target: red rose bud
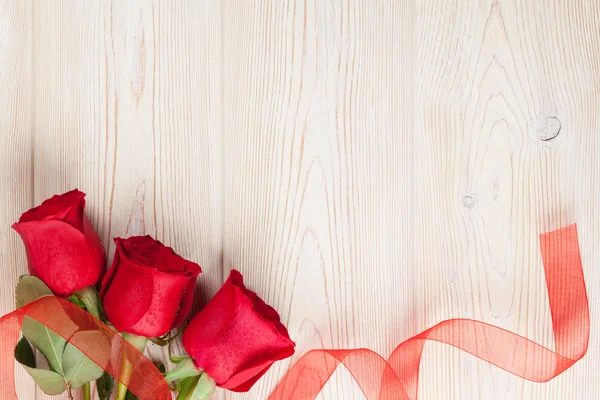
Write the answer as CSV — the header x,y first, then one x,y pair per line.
x,y
236,337
149,289
63,250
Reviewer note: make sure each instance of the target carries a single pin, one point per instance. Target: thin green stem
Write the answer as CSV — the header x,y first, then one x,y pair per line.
x,y
126,367
86,392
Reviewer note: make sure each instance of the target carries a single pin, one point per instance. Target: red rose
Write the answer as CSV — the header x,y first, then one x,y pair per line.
x,y
149,289
236,337
63,250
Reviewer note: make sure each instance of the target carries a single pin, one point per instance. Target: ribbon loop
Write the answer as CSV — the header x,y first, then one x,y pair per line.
x,y
397,378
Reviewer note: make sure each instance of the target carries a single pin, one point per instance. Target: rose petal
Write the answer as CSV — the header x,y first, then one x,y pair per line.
x,y
209,324
128,296
186,302
148,252
110,274
167,291
265,310
243,381
63,259
67,207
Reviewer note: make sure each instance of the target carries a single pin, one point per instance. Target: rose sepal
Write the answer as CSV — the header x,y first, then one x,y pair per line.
x,y
90,298
184,369
197,388
194,383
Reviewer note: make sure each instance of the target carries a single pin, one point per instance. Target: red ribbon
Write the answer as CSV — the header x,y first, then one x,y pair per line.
x,y
397,378
66,320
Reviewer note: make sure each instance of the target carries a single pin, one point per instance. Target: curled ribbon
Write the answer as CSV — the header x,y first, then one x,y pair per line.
x,y
106,349
397,378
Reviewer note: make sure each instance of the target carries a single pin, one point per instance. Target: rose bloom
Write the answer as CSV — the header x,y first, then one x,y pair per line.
x,y
63,250
236,337
149,289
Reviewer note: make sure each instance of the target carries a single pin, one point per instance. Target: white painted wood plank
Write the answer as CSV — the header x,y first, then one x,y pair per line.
x,y
496,81
128,109
319,171
16,162
372,168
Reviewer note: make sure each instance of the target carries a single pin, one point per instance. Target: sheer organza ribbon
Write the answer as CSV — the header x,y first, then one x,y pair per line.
x,y
397,378
106,350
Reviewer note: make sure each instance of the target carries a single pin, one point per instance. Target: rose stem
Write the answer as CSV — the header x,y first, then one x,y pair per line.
x,y
69,393
86,391
126,368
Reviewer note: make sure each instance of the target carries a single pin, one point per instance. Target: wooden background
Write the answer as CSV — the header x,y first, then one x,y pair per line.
x,y
372,167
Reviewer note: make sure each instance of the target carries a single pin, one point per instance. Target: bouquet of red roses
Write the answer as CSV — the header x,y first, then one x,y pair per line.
x,y
144,296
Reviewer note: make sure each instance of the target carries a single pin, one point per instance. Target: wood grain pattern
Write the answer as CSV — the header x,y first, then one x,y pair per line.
x,y
504,106
318,219
16,164
371,167
128,109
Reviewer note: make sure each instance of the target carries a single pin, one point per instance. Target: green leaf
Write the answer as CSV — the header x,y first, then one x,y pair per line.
x,y
29,289
104,386
49,381
78,369
49,343
68,365
24,353
66,362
